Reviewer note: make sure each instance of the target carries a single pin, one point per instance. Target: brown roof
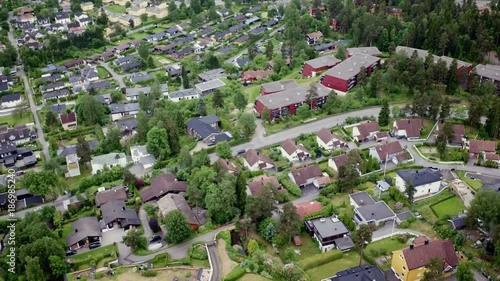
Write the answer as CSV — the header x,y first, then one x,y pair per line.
x,y
492,156
83,228
381,135
325,135
161,185
228,166
458,132
411,126
252,156
68,118
172,202
72,63
258,183
383,150
422,254
116,193
477,146
291,146
340,160
315,35
307,208
303,174
366,128
256,74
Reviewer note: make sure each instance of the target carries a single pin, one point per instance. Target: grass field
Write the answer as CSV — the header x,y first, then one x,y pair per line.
x,y
474,184
329,269
423,206
383,247
448,208
96,252
102,72
14,121
253,277
116,9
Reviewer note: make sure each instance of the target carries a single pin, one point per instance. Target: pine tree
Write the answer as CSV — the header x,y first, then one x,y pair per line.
x,y
201,109
384,115
452,79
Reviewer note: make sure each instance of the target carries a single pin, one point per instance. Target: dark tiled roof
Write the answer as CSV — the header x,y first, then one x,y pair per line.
x,y
116,193
303,174
202,125
422,254
116,211
360,273
83,228
161,185
258,183
11,97
419,177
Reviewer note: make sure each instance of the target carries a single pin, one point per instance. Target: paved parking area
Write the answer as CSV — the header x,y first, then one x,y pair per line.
x,y
111,236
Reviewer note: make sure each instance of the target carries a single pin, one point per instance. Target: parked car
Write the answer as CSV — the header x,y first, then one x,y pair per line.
x,y
95,245
70,253
241,151
155,239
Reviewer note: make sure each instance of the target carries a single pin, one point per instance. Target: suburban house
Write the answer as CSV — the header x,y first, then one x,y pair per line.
x,y
68,121
227,166
458,134
254,75
208,87
293,151
72,166
109,160
344,76
372,51
186,94
127,127
390,151
254,161
18,135
116,214
491,157
363,272
329,141
120,110
207,129
365,131
306,175
489,73
477,147
425,181
306,208
407,128
171,202
86,230
277,86
103,196
315,37
11,100
212,75
71,149
255,186
143,161
409,264
161,185
367,211
132,94
314,66
336,161
330,233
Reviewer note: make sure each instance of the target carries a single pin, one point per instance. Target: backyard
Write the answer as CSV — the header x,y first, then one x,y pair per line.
x,y
116,9
15,121
424,206
448,208
99,255
348,260
382,250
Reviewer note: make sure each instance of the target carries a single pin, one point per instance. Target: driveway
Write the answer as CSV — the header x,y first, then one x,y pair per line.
x,y
143,216
462,191
111,236
215,262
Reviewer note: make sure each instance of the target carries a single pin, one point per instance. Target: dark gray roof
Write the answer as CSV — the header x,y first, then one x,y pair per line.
x,y
212,75
99,85
236,28
140,77
326,227
104,98
419,177
125,59
457,223
131,65
11,97
242,62
4,86
83,228
344,243
377,211
126,124
202,125
117,211
71,149
405,215
362,198
360,273
258,30
242,39
226,49
124,107
56,94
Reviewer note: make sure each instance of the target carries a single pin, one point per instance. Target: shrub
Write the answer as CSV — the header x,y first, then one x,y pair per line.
x,y
291,187
320,259
235,274
149,273
98,275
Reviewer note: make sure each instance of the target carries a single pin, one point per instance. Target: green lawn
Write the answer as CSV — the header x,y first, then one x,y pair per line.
x,y
102,72
307,249
428,124
423,206
99,252
116,9
14,121
252,93
252,277
348,260
383,247
138,35
448,208
474,184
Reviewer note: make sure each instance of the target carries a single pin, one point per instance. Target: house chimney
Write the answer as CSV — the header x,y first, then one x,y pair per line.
x,y
411,247
361,202
76,230
426,242
123,208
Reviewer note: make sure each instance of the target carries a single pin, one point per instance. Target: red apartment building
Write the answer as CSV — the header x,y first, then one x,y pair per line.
x,y
344,76
287,101
312,67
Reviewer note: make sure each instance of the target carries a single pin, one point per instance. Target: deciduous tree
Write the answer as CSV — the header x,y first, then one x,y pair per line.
x,y
239,100
464,272
434,270
221,201
178,228
135,239
290,222
361,238
83,150
201,109
157,143
90,111
223,150
246,123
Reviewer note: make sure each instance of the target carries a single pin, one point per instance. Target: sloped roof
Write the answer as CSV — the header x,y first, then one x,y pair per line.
x,y
171,202
68,118
366,128
307,208
326,135
252,156
383,150
291,146
303,174
419,177
161,185
411,126
116,211
115,193
258,183
422,254
83,228
228,165
477,146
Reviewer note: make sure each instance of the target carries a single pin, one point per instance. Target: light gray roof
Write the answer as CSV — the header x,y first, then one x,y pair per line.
x,y
351,66
138,148
124,107
210,85
377,211
372,51
489,71
108,159
212,74
292,96
362,198
139,77
327,227
183,93
279,86
147,160
424,53
132,92
322,61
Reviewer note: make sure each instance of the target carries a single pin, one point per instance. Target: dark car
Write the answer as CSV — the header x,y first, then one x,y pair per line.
x,y
155,239
211,143
70,253
241,151
94,245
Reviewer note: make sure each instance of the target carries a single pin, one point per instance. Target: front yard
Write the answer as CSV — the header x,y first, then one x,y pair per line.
x,y
451,154
474,184
448,208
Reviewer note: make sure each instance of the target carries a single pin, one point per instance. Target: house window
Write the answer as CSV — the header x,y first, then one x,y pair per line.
x,y
404,268
429,191
401,256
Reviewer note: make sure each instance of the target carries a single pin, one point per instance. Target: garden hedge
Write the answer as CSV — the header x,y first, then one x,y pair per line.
x,y
235,274
320,259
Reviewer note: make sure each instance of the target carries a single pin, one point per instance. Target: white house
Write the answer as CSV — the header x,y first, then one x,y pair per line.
x,y
365,131
328,140
186,94
72,165
407,128
139,154
254,161
425,181
121,110
367,211
11,100
109,160
293,151
391,151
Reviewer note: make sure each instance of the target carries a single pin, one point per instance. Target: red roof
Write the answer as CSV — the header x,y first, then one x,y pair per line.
x,y
478,146
304,174
458,132
228,166
161,185
366,128
387,149
258,183
255,74
492,156
325,135
422,254
411,126
315,35
68,118
307,208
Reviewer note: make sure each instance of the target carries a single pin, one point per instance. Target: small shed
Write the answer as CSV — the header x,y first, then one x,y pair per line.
x,y
297,240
